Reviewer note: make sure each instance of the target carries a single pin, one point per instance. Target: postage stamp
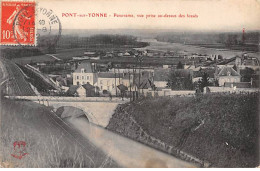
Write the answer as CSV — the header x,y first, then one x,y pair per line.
x,y
18,23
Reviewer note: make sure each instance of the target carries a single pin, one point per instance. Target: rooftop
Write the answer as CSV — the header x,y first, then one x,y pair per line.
x,y
161,74
228,71
86,66
109,75
72,90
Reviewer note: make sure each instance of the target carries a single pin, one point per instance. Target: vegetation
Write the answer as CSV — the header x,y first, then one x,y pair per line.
x,y
100,40
232,40
47,143
204,82
179,80
19,52
180,65
37,81
219,128
247,74
52,44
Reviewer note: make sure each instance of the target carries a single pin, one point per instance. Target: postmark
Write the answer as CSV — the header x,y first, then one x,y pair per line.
x,y
18,23
49,28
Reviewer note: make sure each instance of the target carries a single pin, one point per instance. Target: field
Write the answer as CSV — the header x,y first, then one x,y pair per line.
x,y
219,128
165,46
49,143
61,53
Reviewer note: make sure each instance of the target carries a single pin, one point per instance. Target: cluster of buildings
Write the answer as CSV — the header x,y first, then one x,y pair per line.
x,y
88,81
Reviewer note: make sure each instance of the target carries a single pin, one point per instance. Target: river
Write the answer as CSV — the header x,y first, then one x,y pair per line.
x,y
124,151
189,49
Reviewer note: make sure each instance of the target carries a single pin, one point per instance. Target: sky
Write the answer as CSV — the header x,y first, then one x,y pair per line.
x,y
213,15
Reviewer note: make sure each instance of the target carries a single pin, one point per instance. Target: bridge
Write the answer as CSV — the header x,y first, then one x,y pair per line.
x,y
98,110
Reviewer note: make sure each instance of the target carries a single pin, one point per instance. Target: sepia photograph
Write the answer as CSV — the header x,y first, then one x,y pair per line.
x,y
129,84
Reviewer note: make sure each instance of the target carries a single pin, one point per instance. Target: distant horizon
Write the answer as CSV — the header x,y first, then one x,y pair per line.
x,y
151,33
174,30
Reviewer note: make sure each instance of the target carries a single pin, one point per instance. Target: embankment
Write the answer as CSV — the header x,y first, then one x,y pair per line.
x,y
221,129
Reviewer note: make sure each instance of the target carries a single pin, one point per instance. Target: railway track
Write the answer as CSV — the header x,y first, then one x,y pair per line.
x,y
17,84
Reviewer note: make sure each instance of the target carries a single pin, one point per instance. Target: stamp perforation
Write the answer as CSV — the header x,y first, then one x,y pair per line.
x,y
13,12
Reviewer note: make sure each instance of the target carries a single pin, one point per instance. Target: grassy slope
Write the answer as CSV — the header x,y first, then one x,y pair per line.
x,y
227,138
48,145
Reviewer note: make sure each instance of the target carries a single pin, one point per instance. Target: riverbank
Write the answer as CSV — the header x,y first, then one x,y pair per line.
x,y
219,129
49,142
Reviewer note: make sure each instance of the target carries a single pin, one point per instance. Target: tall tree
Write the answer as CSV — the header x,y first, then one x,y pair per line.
x,y
179,80
204,81
180,65
247,74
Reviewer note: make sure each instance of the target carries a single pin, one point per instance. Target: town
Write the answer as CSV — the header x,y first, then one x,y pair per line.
x,y
133,73
169,93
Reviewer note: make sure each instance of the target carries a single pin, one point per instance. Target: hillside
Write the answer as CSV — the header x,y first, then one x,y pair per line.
x,y
50,142
220,129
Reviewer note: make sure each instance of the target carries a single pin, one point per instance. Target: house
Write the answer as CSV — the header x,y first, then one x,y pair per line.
x,y
192,67
84,74
160,77
242,63
197,75
227,74
61,81
126,54
91,90
127,79
147,88
107,82
77,91
89,53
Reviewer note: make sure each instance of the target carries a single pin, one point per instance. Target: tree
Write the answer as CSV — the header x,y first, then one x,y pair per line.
x,y
247,74
180,65
204,81
179,80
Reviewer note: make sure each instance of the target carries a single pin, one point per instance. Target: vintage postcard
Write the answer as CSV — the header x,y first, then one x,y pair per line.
x,y
129,83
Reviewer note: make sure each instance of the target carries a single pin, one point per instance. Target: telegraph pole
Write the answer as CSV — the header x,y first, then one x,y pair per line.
x,y
115,81
140,59
134,95
118,75
130,85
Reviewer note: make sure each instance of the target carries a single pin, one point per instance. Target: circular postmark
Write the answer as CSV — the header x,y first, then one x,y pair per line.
x,y
40,25
48,28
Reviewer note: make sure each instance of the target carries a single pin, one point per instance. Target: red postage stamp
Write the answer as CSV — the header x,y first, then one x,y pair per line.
x,y
18,23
